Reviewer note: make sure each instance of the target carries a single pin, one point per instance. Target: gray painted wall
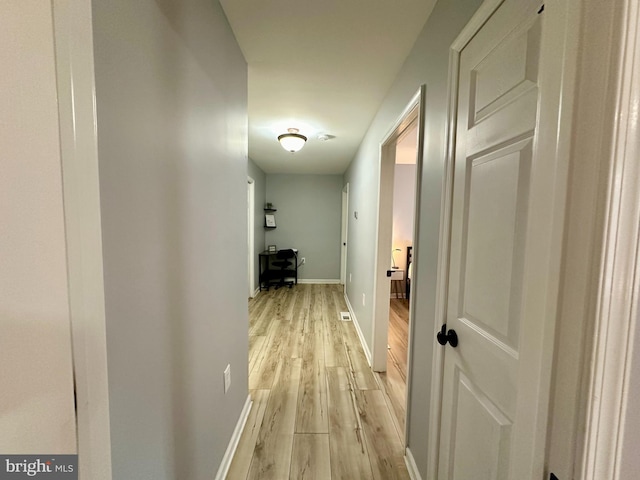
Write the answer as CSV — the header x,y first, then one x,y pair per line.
x,y
308,218
172,134
426,64
260,196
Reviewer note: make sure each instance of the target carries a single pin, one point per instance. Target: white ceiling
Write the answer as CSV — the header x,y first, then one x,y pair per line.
x,y
321,67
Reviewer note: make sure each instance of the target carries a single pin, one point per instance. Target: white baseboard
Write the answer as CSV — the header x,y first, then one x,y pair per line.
x,y
233,443
256,292
320,281
411,465
354,319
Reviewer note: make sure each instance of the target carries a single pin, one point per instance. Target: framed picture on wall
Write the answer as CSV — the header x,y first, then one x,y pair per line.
x,y
270,220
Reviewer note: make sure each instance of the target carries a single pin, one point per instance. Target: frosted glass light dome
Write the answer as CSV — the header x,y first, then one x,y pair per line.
x,y
292,141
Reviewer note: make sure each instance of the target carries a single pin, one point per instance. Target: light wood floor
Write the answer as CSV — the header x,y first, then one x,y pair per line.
x,y
395,378
319,412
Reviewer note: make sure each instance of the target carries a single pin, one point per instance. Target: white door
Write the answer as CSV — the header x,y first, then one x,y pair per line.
x,y
491,398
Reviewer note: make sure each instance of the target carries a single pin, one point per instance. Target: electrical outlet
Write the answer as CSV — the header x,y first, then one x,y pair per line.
x,y
227,378
303,260
363,298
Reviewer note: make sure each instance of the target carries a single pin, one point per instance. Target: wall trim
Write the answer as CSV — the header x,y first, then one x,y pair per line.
x,y
223,469
319,281
411,465
618,283
251,227
256,292
354,319
417,215
73,35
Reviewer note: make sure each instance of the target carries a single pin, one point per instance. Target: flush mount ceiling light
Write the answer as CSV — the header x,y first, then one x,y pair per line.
x,y
292,141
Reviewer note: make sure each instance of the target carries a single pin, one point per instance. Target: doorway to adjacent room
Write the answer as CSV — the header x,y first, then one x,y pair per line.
x,y
404,181
398,218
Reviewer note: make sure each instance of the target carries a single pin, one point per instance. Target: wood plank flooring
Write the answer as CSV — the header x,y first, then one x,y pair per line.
x,y
394,380
319,412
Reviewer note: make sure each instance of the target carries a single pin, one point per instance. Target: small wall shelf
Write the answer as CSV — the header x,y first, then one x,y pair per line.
x,y
269,217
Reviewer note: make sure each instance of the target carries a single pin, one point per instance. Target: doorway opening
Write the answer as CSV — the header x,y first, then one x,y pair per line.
x,y
344,236
395,269
404,182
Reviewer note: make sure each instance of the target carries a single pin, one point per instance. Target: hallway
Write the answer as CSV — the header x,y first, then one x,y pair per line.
x,y
319,411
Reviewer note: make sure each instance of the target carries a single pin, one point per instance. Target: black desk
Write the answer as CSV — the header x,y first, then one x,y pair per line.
x,y
269,276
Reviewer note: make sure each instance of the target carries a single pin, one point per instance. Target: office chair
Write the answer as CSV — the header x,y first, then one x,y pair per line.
x,y
284,262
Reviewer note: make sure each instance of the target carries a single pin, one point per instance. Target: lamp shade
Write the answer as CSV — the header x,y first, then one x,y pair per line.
x,y
292,141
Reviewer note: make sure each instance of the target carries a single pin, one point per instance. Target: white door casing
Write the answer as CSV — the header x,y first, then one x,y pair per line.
x,y
504,240
610,140
73,32
251,235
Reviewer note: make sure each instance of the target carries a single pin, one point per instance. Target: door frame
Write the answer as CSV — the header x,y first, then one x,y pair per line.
x,y
557,79
412,113
73,35
611,137
251,225
344,235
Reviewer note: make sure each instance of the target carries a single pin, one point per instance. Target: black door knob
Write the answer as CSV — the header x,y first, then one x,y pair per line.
x,y
445,336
